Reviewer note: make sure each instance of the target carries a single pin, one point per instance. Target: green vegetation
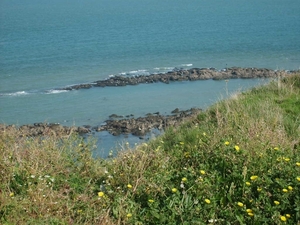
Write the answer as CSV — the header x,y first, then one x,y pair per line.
x,y
236,163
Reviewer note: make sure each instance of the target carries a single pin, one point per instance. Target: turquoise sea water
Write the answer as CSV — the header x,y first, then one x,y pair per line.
x,y
50,44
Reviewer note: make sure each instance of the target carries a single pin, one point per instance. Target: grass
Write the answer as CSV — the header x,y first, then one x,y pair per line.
x,y
236,163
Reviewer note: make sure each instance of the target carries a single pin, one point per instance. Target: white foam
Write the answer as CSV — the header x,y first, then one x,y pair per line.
x,y
18,93
164,68
188,64
56,91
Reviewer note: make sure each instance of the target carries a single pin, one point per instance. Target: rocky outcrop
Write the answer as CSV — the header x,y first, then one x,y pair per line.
x,y
116,126
184,75
45,129
142,125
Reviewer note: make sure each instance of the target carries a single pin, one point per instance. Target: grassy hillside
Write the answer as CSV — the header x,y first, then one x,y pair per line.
x,y
236,163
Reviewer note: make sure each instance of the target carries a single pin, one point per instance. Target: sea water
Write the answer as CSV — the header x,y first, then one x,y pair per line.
x,y
45,45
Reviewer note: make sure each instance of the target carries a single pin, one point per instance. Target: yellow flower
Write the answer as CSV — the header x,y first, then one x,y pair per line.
x,y
288,215
298,163
226,143
181,142
249,210
276,148
11,194
184,179
276,202
259,189
174,190
298,178
151,200
202,172
129,215
283,218
100,194
253,177
207,201
248,183
129,186
204,134
250,214
240,204
290,188
287,159
285,190
186,154
237,148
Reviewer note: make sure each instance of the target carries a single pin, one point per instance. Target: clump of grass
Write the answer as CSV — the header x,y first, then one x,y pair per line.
x,y
236,163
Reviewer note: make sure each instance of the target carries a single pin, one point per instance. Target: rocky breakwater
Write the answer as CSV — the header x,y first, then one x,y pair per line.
x,y
142,125
44,129
184,75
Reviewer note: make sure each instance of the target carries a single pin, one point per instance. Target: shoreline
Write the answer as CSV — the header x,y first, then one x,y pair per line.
x,y
193,74
116,125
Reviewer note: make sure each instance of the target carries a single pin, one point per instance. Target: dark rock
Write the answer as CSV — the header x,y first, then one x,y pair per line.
x,y
175,110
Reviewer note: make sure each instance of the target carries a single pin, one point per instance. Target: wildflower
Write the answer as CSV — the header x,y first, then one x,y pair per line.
x,y
287,159
248,183
276,148
129,215
181,142
204,134
285,190
240,204
290,188
253,177
129,186
298,163
11,194
174,190
283,218
276,202
186,154
237,148
249,210
287,215
259,189
79,211
184,179
151,200
250,214
202,172
207,201
226,143
100,194
298,178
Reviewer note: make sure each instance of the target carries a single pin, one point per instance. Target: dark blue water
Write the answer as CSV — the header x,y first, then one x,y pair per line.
x,y
50,44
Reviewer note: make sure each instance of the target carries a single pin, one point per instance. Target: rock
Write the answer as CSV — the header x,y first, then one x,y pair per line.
x,y
142,125
183,75
175,110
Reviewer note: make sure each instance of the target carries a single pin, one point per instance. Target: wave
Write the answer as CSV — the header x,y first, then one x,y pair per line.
x,y
135,73
188,64
18,93
24,93
55,91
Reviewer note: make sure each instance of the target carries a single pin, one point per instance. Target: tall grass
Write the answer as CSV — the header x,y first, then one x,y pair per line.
x,y
236,163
